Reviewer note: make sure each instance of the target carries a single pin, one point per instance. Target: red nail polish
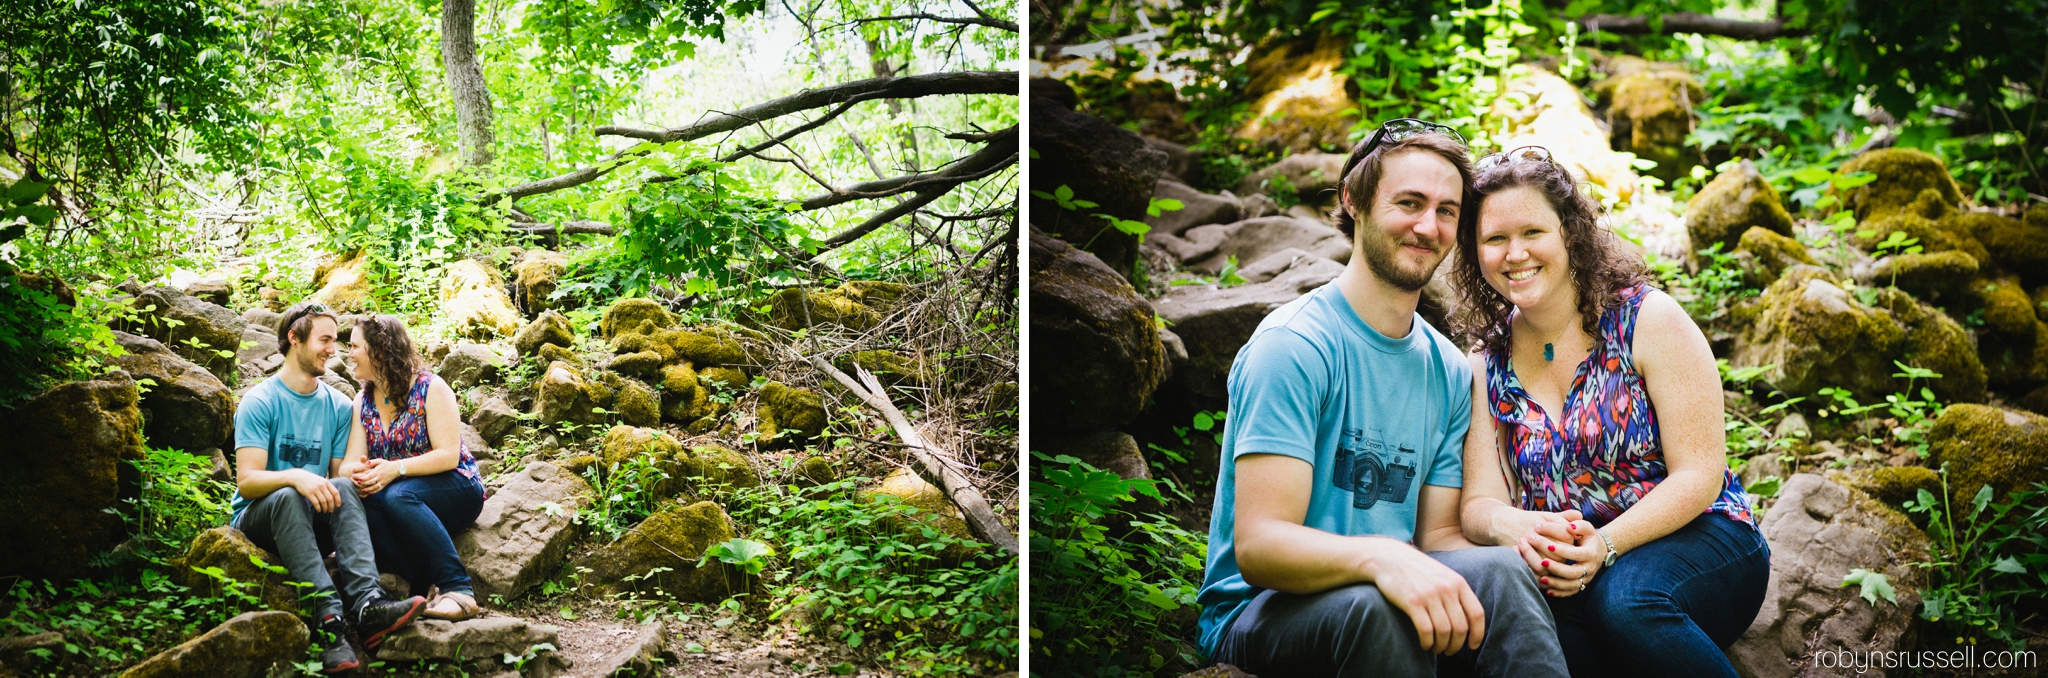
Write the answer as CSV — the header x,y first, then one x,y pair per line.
x,y
1553,548
1546,563
1545,580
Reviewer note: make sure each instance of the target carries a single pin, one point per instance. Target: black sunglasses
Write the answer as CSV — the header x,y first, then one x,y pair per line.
x,y
1396,130
1521,154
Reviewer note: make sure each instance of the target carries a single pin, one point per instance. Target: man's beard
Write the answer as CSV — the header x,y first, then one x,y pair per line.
x,y
1380,257
312,364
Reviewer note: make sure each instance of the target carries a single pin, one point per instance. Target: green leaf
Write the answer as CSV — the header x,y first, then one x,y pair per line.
x,y
1158,599
1874,585
1766,487
1204,422
845,668
1853,180
2009,564
1812,175
1063,193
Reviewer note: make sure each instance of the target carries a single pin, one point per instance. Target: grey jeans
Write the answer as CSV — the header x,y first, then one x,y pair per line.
x,y
1354,631
285,523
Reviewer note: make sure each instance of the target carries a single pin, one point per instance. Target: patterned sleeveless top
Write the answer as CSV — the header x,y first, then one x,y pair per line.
x,y
1602,454
407,437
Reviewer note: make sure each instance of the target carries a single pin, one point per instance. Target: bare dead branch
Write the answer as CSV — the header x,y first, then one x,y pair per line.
x,y
1688,22
983,20
999,153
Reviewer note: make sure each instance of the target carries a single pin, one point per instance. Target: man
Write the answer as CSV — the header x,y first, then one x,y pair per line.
x,y
1334,546
291,433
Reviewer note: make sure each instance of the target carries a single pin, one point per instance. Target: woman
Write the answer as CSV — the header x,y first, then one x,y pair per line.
x,y
1631,520
418,481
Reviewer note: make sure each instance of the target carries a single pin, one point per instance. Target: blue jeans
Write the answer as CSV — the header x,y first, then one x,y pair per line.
x,y
412,523
1669,607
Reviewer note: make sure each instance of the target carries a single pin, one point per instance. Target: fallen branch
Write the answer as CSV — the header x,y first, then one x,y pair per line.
x,y
1688,22
1010,26
911,87
551,234
963,493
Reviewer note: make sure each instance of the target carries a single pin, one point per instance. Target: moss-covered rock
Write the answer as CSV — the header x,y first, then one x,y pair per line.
x,y
814,471
679,379
1930,235
1772,252
637,404
787,414
890,367
731,378
719,465
796,308
709,347
564,396
637,341
627,315
248,645
188,408
228,549
64,467
675,537
2040,300
645,364
343,284
1896,484
550,353
2007,309
2016,362
689,407
1902,173
1733,203
550,328
1927,274
1816,334
2036,401
623,443
473,298
1655,109
2006,449
535,277
1936,342
876,294
2019,246
934,510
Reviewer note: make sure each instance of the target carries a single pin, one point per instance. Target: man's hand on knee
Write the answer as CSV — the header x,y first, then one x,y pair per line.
x,y
317,490
1446,613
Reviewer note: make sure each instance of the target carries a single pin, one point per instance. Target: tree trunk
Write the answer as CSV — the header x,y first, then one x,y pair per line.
x,y
466,81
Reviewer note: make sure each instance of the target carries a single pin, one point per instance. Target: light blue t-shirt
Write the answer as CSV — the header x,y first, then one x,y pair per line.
x,y
1377,417
300,431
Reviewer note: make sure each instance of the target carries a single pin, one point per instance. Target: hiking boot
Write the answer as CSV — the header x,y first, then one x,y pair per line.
x,y
379,617
332,639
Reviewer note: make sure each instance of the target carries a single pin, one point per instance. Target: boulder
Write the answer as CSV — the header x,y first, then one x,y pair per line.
x,y
1902,173
481,642
1770,253
628,315
1541,109
637,404
1894,485
643,364
935,510
880,295
550,328
640,655
1816,334
1982,445
470,364
1818,532
889,367
64,462
1110,357
1307,175
709,347
550,353
1099,162
624,443
1651,113
788,414
814,471
227,548
730,378
1936,342
2020,247
565,396
1252,240
473,298
216,292
1197,208
1298,94
248,645
1928,275
534,279
187,408
1113,451
2036,400
178,317
1734,202
1214,323
263,319
799,308
258,343
524,531
675,537
343,284
493,419
718,465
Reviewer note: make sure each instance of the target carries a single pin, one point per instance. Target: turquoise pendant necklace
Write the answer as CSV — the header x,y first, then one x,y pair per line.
x,y
1549,352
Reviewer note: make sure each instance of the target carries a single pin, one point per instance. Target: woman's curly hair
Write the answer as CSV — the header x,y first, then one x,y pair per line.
x,y
1601,268
392,354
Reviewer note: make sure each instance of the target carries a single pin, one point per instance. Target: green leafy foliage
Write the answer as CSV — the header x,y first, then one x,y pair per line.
x,y
179,500
1874,586
746,554
1709,293
1988,560
110,625
622,495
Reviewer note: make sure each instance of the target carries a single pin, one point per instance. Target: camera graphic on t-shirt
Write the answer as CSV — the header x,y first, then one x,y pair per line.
x,y
1371,472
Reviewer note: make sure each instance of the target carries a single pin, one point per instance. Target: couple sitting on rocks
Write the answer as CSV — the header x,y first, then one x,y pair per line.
x,y
1556,501
382,483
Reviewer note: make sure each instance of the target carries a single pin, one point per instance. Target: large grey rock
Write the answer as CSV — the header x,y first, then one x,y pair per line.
x,y
247,646
1113,451
1213,323
524,531
481,644
1254,239
1110,358
1814,334
1197,208
1818,531
64,463
1308,173
178,317
262,343
470,364
187,408
263,319
1100,162
493,419
639,656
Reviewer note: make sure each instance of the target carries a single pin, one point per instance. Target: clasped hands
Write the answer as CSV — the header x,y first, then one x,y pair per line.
x,y
1564,551
372,475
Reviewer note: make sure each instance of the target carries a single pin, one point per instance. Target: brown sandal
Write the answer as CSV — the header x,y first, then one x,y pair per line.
x,y
466,607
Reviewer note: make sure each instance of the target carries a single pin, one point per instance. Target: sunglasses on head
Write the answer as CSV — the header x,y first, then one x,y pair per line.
x,y
1396,130
1518,155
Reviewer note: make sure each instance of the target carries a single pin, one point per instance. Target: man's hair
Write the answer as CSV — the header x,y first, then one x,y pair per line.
x,y
298,323
391,350
1600,267
1364,178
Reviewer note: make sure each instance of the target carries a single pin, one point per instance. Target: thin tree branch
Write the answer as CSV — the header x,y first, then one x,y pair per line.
x,y
984,20
1000,152
1688,22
